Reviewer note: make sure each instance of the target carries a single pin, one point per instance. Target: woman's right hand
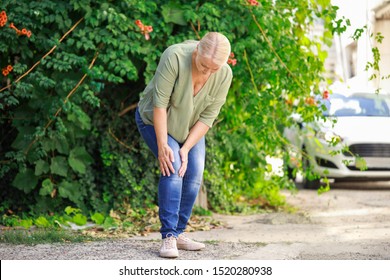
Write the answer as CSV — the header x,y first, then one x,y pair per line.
x,y
165,158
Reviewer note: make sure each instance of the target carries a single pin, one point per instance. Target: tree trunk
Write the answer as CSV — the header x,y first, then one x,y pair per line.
x,y
201,199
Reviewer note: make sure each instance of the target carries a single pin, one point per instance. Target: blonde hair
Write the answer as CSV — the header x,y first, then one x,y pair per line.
x,y
215,46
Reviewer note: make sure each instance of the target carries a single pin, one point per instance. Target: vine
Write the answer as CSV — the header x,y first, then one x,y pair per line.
x,y
60,149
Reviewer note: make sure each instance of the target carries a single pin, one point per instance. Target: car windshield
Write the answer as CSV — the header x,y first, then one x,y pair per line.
x,y
341,106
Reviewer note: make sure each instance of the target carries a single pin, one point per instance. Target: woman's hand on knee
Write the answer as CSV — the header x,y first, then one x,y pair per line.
x,y
184,161
165,158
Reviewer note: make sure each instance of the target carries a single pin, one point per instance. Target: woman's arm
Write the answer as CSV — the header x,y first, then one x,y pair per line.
x,y
165,153
196,133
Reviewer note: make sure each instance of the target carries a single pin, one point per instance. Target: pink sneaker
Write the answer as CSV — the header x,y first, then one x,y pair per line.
x,y
168,247
184,243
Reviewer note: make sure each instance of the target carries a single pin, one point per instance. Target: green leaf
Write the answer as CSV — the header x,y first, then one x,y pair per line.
x,y
62,146
41,167
324,3
22,141
109,222
42,222
47,144
70,210
98,218
69,190
79,219
361,163
269,167
26,223
80,118
59,166
173,14
25,181
47,187
79,159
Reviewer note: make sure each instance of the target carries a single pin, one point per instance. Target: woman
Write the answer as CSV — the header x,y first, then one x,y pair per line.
x,y
177,109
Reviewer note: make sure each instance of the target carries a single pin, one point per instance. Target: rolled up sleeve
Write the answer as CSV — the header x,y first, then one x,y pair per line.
x,y
165,78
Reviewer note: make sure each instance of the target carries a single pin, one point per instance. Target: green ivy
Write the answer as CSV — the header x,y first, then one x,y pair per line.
x,y
64,140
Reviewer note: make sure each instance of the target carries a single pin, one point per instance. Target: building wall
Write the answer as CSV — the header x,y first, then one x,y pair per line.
x,y
383,26
350,57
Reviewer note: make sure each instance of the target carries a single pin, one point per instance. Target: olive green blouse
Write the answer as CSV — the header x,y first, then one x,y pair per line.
x,y
171,88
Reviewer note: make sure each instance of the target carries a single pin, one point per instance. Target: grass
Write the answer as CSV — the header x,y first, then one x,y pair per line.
x,y
42,236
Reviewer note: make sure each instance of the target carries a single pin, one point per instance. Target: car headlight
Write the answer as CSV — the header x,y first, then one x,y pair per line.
x,y
329,136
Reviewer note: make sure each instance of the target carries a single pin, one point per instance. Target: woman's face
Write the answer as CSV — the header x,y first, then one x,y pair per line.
x,y
205,65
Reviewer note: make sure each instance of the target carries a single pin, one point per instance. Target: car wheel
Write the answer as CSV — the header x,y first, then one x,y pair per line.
x,y
287,167
291,174
312,185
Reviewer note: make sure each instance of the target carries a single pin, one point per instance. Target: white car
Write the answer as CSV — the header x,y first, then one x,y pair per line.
x,y
353,142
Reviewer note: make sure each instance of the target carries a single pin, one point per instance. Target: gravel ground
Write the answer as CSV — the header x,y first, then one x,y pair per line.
x,y
119,250
339,225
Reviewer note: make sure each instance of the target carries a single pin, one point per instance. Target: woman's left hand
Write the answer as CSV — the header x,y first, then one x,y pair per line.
x,y
184,161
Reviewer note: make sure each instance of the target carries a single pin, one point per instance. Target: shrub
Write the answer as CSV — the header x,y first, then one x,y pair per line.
x,y
67,131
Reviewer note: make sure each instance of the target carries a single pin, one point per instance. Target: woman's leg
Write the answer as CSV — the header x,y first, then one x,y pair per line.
x,y
191,183
169,195
170,187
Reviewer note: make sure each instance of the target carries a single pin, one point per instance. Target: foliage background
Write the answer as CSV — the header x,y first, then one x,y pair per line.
x,y
84,150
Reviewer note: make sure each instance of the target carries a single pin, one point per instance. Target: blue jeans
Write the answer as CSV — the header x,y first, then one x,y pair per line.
x,y
176,195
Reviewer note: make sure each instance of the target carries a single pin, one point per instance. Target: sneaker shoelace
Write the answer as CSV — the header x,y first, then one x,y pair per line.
x,y
184,238
169,242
